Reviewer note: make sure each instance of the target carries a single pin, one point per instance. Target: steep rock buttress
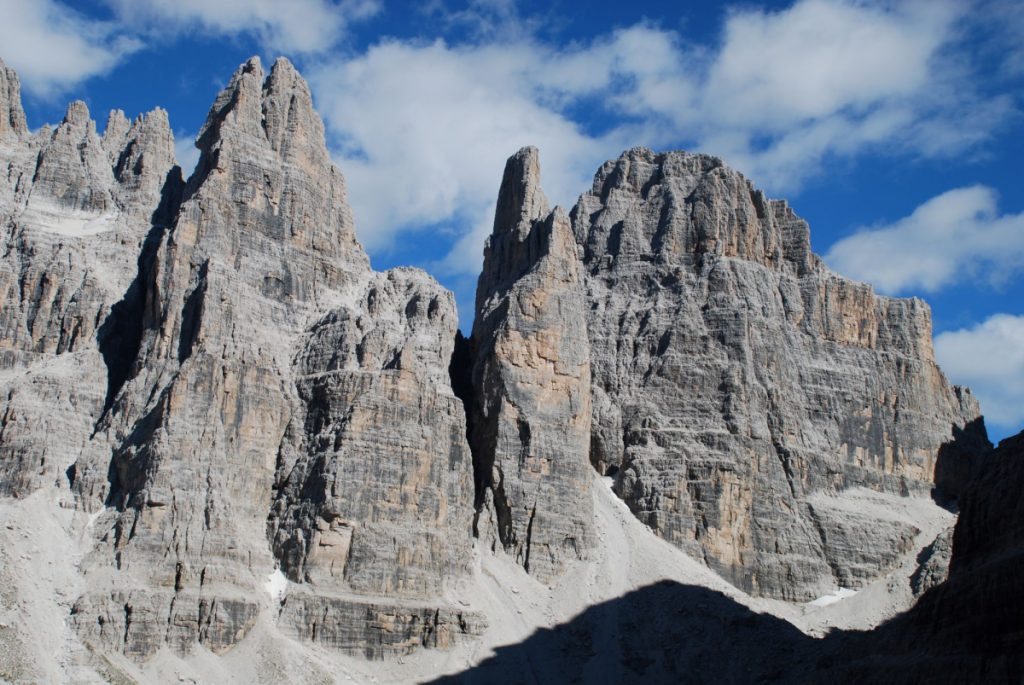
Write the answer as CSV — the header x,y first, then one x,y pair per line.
x,y
531,377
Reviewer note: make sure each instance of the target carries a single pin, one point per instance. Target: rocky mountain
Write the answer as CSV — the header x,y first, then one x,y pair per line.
x,y
230,450
531,381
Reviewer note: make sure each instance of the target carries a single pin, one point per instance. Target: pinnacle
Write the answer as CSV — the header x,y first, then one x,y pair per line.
x,y
520,198
12,116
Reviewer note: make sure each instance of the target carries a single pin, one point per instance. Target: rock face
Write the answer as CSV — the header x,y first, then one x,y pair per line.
x,y
969,628
732,375
239,392
12,116
531,379
74,225
253,428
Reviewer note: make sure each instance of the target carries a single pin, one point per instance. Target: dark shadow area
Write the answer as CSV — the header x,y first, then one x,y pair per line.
x,y
460,374
192,314
662,633
120,334
969,629
958,461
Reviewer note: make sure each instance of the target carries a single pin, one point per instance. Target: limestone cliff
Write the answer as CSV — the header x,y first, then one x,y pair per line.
x,y
214,370
734,376
239,429
531,379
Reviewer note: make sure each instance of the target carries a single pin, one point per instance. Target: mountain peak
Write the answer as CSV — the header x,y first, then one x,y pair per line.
x,y
520,198
12,116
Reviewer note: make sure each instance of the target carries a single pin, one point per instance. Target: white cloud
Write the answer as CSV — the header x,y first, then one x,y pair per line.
x,y
298,26
53,47
424,128
425,131
989,358
820,58
186,152
789,90
953,237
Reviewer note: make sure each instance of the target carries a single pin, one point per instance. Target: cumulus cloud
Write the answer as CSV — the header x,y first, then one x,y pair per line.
x,y
423,128
791,89
298,26
186,152
989,358
53,47
954,237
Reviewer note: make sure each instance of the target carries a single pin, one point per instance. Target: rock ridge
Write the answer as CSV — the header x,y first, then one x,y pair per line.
x,y
254,432
711,335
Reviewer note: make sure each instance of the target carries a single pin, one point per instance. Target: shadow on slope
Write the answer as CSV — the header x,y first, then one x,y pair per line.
x,y
662,633
969,629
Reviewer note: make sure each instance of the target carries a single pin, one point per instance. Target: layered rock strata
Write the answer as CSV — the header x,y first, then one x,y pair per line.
x,y
733,376
212,372
531,380
243,393
74,224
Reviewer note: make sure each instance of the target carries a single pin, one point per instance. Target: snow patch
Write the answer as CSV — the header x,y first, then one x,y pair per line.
x,y
276,585
836,596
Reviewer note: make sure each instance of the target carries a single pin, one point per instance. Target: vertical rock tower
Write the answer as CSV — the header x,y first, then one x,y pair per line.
x,y
237,392
736,385
531,373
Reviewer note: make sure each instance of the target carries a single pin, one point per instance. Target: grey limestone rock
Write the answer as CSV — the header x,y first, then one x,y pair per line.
x,y
374,475
72,234
12,116
376,630
933,563
734,375
214,373
235,389
531,379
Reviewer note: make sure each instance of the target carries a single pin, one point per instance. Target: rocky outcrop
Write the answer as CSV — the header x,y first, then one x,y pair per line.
x,y
244,392
247,428
73,230
732,378
12,116
376,631
374,475
531,380
734,375
969,627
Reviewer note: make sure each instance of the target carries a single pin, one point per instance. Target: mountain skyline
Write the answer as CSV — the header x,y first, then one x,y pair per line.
x,y
914,105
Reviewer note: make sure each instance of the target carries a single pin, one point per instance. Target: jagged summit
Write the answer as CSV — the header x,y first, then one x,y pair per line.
x,y
530,419
261,139
244,450
711,336
520,198
12,116
748,225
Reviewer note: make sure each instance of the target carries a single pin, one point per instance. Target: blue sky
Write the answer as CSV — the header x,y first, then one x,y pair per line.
x,y
895,128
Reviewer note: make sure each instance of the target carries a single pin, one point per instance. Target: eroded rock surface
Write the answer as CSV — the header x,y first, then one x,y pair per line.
x,y
733,376
531,379
216,372
210,377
